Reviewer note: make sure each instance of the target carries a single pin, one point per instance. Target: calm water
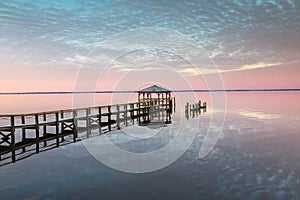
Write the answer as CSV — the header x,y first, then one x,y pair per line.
x,y
256,157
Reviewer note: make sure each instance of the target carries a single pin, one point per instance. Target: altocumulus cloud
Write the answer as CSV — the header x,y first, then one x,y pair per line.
x,y
236,34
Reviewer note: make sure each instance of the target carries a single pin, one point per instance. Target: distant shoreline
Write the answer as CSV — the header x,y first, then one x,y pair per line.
x,y
134,91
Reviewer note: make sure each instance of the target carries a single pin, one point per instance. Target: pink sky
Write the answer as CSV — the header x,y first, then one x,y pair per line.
x,y
281,76
18,79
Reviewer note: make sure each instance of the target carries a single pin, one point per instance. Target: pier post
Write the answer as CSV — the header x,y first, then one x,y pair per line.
x,y
187,113
62,124
23,131
204,105
88,123
118,116
132,112
126,114
174,104
75,133
109,118
139,112
170,109
13,142
162,111
57,128
75,118
45,128
75,124
37,133
99,120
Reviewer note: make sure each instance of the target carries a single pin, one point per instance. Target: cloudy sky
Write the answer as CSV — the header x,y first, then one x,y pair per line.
x,y
252,43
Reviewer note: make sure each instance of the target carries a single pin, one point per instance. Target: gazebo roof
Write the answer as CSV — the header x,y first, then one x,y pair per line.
x,y
154,89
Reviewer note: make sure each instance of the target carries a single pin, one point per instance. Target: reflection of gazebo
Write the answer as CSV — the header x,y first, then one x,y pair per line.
x,y
155,103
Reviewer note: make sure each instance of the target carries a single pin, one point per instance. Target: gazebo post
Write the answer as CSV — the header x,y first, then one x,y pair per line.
x,y
157,106
139,108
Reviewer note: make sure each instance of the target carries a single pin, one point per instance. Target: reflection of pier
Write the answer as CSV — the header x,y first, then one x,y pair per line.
x,y
193,110
19,133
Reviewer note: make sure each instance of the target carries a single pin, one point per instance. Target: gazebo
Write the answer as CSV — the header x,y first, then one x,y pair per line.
x,y
155,101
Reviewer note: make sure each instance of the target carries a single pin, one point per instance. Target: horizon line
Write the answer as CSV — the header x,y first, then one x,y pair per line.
x,y
136,91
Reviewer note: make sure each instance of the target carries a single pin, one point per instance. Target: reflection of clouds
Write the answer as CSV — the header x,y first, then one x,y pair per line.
x,y
137,150
232,32
142,132
258,115
248,124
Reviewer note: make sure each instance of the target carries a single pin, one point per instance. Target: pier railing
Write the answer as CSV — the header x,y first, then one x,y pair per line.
x,y
23,130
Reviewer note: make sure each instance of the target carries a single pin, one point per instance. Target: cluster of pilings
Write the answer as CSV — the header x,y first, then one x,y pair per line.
x,y
193,110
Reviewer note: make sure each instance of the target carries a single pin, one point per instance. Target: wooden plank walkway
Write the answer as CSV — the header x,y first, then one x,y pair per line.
x,y
33,129
18,132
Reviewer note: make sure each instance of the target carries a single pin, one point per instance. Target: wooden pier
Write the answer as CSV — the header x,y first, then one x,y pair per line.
x,y
17,132
21,132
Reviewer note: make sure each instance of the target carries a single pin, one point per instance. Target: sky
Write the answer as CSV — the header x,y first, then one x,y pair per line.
x,y
48,45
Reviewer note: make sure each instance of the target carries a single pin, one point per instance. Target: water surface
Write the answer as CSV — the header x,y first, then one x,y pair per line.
x,y
256,157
